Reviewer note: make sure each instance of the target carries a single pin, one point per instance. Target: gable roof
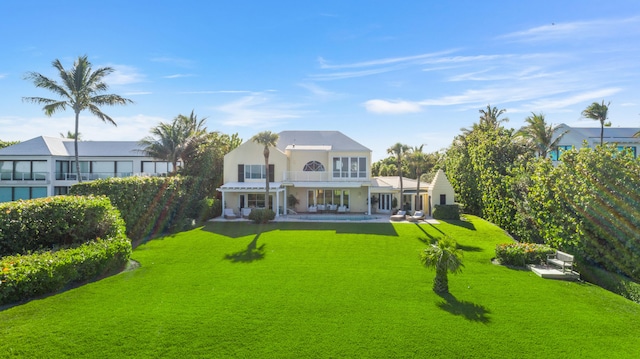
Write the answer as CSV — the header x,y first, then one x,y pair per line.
x,y
334,140
53,146
611,134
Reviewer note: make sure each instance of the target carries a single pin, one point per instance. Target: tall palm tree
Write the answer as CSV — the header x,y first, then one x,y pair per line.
x,y
267,139
445,257
71,135
175,141
598,112
399,150
81,89
490,117
417,158
540,135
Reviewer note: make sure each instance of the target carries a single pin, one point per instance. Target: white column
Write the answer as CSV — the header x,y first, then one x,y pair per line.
x,y
277,194
222,203
285,201
369,200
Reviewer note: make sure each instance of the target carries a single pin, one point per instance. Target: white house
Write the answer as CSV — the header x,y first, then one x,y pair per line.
x,y
325,171
578,137
45,166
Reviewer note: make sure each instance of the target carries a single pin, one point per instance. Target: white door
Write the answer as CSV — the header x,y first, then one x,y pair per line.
x,y
384,202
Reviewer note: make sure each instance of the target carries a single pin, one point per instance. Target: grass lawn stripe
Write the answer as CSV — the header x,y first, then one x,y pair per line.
x,y
321,290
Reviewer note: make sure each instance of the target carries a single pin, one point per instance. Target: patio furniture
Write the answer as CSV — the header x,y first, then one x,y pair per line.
x,y
418,215
246,212
342,209
312,209
321,208
562,260
400,216
333,207
228,214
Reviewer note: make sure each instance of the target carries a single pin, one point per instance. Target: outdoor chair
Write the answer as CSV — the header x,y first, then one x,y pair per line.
x,y
400,216
228,214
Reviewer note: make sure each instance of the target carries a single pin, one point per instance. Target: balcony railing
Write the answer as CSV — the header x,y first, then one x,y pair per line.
x,y
310,176
91,176
31,176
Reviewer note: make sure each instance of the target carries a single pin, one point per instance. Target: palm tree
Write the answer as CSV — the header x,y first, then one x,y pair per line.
x,y
71,135
489,117
81,89
598,112
399,150
267,139
539,134
445,257
175,141
417,158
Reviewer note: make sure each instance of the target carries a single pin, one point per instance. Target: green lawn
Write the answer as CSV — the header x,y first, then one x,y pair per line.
x,y
321,290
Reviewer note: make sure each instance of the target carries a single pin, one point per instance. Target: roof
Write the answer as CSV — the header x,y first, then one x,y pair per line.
x,y
246,186
335,140
611,134
54,146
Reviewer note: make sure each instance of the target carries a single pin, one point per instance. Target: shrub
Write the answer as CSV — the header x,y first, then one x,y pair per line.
x,y
27,276
150,205
521,254
262,215
447,211
613,282
54,222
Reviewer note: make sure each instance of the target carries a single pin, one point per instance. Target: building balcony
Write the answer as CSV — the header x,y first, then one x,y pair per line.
x,y
30,177
91,176
310,176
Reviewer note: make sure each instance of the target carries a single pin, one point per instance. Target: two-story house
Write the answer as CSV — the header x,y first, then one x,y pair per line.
x,y
577,137
325,171
45,166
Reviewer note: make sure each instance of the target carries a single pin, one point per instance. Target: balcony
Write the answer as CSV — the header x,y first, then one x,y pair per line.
x,y
310,176
91,176
38,177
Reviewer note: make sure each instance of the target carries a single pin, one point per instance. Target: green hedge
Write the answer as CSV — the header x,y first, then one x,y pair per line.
x,y
153,205
521,254
613,282
53,222
27,276
262,215
447,211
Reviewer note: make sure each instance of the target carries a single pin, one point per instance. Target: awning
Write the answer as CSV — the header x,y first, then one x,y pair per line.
x,y
250,186
328,184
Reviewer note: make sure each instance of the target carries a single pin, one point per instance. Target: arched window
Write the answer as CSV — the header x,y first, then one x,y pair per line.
x,y
313,166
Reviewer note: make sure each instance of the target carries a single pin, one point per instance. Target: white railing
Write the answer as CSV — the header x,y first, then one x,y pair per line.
x,y
92,176
310,176
32,176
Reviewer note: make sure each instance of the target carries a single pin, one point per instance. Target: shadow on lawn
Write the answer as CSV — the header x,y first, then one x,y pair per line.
x,y
251,254
241,229
470,311
431,239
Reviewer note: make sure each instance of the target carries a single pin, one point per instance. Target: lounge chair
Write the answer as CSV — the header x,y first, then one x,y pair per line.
x,y
418,215
246,212
333,207
321,208
342,209
400,216
312,209
228,214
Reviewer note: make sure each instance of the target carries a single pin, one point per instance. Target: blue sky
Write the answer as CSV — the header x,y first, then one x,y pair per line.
x,y
381,72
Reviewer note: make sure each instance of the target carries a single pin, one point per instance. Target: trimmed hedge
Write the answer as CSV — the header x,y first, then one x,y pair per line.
x,y
262,215
53,222
28,276
51,242
153,205
613,282
521,254
447,211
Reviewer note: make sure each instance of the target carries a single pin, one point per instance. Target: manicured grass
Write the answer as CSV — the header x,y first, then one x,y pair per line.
x,y
321,290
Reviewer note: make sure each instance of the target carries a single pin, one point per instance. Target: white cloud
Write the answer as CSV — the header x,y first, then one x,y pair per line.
x,y
258,110
319,92
392,107
124,75
324,64
176,76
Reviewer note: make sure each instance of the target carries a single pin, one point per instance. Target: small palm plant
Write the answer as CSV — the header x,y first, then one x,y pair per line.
x,y
445,257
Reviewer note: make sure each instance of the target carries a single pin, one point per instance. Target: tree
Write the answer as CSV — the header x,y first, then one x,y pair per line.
x,y
175,141
399,150
539,135
71,135
599,112
267,139
81,89
4,144
417,159
445,257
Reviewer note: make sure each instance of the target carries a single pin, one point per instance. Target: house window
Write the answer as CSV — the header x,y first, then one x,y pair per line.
x,y
8,194
443,199
349,167
23,170
158,168
313,166
254,172
255,200
631,149
557,153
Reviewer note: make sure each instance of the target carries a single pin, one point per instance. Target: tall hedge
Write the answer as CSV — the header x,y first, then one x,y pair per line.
x,y
54,222
151,205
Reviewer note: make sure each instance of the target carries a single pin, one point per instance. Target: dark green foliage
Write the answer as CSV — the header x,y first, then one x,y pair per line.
x,y
446,211
151,205
262,215
611,281
53,222
521,254
27,276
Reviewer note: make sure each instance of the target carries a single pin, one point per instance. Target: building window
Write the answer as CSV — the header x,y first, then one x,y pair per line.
x,y
8,194
158,168
23,170
443,199
631,149
60,190
313,166
255,200
349,167
254,172
557,153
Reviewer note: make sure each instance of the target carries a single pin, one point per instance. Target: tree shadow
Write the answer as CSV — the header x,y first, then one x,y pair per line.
x,y
237,229
461,223
469,248
470,311
250,254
